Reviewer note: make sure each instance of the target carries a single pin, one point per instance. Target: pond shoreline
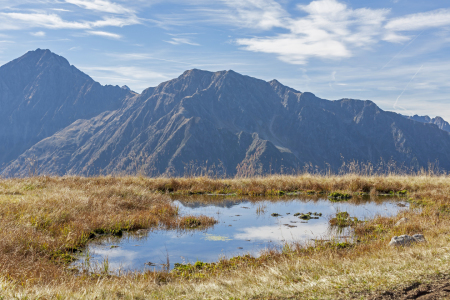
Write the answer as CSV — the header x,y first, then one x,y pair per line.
x,y
43,220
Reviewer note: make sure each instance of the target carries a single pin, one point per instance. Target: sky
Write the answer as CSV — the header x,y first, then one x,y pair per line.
x,y
393,52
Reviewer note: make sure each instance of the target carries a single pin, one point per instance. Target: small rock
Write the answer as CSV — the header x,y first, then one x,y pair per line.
x,y
419,238
240,248
297,214
401,221
275,215
406,240
112,247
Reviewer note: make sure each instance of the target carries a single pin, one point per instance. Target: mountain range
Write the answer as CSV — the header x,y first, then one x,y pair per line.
x,y
57,120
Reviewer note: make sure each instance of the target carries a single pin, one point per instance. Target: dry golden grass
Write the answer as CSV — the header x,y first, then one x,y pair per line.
x,y
42,219
271,185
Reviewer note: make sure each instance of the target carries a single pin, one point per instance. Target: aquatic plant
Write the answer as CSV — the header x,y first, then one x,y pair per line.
x,y
336,196
343,219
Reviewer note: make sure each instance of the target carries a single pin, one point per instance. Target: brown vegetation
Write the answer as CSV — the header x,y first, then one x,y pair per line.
x,y
42,220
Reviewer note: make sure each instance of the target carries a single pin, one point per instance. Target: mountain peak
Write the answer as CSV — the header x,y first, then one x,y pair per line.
x,y
279,86
43,56
23,70
194,72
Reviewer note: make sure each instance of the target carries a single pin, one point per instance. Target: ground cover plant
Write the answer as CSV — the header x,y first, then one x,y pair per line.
x,y
44,220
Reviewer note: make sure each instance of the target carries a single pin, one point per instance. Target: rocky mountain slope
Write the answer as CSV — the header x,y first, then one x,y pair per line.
x,y
438,121
41,93
221,122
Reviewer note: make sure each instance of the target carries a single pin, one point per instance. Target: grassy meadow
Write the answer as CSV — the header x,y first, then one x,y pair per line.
x,y
45,221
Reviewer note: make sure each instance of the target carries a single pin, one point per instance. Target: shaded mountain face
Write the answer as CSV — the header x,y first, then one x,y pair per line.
x,y
227,123
438,121
41,93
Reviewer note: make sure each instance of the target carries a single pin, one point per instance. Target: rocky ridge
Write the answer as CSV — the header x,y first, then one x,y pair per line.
x,y
202,122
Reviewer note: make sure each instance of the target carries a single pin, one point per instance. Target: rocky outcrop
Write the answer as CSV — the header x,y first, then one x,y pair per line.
x,y
406,240
438,121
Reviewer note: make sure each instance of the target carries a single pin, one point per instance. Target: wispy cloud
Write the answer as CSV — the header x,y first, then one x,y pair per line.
x,y
61,9
413,22
38,34
180,41
102,6
77,48
54,21
261,14
104,34
420,21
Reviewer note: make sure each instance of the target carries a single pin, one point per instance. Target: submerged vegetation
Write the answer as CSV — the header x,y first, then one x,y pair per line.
x,y
44,221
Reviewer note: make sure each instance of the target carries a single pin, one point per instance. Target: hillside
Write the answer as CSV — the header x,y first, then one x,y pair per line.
x,y
41,93
221,121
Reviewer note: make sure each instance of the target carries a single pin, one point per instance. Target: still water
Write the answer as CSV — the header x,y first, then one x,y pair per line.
x,y
244,228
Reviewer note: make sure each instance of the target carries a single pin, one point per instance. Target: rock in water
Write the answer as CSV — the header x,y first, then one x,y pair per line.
x,y
406,240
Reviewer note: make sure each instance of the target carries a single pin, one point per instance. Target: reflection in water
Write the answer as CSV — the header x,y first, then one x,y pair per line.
x,y
244,227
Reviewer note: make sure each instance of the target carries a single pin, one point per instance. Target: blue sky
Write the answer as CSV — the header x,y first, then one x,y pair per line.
x,y
394,52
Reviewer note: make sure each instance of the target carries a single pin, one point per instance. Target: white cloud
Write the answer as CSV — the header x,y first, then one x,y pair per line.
x,y
105,34
180,41
329,30
38,34
420,21
51,21
262,14
54,21
102,6
61,9
393,37
116,22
